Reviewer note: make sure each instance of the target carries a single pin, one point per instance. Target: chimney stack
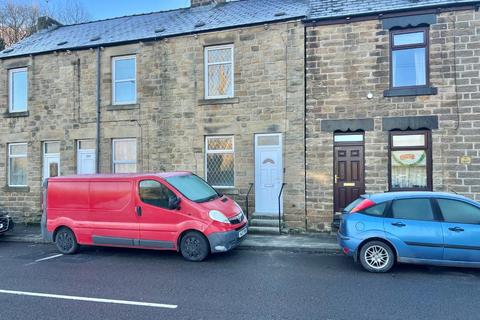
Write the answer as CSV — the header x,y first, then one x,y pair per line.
x,y
197,3
46,23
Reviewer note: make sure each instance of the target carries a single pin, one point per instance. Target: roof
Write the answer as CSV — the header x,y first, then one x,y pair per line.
x,y
328,9
120,176
387,196
159,25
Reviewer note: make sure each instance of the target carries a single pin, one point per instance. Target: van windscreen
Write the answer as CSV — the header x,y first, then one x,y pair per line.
x,y
193,187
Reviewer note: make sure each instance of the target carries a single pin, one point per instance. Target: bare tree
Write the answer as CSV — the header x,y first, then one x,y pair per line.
x,y
67,11
17,21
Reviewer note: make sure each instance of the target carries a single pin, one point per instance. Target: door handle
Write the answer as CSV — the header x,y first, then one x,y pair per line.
x,y
456,229
138,211
399,224
336,179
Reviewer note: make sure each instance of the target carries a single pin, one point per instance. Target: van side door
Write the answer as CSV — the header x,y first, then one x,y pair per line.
x,y
158,223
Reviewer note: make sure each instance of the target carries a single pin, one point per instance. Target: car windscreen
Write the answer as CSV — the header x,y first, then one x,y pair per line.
x,y
193,187
352,205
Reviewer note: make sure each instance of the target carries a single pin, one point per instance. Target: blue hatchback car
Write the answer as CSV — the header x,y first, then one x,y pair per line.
x,y
411,227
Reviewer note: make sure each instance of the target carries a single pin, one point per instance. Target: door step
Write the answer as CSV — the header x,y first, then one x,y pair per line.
x,y
263,230
263,224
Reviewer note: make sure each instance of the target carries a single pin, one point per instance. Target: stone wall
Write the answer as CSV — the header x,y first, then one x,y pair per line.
x,y
347,61
171,118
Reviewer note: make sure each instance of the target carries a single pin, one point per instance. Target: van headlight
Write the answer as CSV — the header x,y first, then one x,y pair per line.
x,y
239,208
218,216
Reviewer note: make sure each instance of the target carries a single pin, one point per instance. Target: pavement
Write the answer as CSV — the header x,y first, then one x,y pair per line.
x,y
123,284
310,243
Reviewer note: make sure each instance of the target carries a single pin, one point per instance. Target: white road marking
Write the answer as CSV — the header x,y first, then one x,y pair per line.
x,y
48,258
57,296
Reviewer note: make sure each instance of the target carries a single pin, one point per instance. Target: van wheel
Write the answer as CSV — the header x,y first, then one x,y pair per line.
x,y
194,246
66,241
376,256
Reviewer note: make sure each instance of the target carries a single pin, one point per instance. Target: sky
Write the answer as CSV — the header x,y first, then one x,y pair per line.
x,y
103,9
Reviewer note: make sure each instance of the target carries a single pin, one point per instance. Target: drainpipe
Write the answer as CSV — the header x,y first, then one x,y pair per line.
x,y
97,139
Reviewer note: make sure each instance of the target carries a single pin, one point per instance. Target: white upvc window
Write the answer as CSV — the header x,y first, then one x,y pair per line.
x,y
17,165
220,161
219,72
124,80
18,90
124,155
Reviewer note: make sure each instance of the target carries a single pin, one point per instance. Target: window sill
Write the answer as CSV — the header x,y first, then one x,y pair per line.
x,y
218,101
403,92
16,189
16,114
116,107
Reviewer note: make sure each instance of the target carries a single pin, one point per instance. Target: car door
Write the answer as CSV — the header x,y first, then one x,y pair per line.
x,y
412,226
461,230
158,224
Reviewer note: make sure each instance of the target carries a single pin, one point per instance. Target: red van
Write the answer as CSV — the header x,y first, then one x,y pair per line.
x,y
166,211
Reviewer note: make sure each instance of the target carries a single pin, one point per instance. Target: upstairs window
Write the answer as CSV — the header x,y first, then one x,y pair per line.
x,y
219,72
124,84
18,90
409,58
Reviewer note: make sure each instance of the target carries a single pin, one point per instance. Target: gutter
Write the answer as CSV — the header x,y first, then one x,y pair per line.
x,y
97,122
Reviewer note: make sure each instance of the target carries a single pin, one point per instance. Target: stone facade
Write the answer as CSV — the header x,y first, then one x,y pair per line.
x,y
171,117
346,62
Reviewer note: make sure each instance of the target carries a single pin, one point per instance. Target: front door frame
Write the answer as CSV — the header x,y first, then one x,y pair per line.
x,y
344,144
280,146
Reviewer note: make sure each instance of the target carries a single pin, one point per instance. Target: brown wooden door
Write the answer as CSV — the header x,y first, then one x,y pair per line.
x,y
349,175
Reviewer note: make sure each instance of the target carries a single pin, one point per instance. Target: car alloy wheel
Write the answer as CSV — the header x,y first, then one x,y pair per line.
x,y
376,257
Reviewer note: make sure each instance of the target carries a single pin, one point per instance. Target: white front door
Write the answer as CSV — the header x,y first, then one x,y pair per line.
x,y
51,166
86,161
268,172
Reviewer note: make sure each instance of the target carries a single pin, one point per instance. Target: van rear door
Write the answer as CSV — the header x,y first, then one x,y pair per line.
x,y
112,213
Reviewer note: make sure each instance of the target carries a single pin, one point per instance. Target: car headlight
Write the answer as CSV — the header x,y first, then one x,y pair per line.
x,y
218,216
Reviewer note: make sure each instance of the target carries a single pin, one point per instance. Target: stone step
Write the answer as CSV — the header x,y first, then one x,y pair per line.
x,y
262,230
264,223
264,216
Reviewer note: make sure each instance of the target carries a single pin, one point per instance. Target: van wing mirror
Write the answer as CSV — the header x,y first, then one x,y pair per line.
x,y
173,203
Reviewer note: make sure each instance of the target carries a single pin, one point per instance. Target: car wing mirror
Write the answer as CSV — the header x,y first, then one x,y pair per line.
x,y
173,203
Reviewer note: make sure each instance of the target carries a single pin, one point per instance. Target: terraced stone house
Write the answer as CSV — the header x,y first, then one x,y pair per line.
x,y
392,100
216,88
327,98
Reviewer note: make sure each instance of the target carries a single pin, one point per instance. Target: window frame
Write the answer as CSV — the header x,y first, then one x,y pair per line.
x,y
224,151
425,44
114,161
9,166
114,82
428,150
11,73
207,64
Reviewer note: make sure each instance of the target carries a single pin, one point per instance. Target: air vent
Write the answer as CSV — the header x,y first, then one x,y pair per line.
x,y
159,30
62,43
279,14
7,50
199,24
95,38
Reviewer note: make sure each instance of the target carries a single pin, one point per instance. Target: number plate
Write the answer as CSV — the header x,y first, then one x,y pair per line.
x,y
242,232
